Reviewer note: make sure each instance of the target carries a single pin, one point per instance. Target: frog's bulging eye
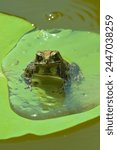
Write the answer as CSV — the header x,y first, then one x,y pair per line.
x,y
56,57
39,58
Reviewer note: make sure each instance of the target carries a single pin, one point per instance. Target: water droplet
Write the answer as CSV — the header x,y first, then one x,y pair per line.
x,y
34,115
54,15
33,25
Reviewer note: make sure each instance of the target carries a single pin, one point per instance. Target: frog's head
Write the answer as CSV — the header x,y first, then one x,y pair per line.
x,y
48,57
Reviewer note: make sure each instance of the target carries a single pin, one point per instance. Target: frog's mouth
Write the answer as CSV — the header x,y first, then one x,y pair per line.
x,y
51,70
49,64
48,71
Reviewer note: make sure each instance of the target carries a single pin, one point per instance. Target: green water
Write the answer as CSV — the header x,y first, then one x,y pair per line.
x,y
75,14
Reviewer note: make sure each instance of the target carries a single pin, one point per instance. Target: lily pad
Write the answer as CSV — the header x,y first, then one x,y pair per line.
x,y
50,102
85,53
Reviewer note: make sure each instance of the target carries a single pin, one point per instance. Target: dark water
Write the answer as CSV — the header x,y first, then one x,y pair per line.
x,y
75,14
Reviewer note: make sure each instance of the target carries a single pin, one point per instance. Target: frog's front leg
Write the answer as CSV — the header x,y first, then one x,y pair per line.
x,y
28,81
28,73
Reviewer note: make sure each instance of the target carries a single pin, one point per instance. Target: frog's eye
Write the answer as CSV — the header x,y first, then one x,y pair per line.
x,y
56,57
39,57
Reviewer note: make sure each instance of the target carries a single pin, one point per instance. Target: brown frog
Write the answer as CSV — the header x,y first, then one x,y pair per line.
x,y
50,62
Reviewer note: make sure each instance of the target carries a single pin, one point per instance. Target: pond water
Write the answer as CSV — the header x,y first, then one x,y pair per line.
x,y
73,14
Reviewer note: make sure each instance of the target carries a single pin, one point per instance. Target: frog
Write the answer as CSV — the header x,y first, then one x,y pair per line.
x,y
51,63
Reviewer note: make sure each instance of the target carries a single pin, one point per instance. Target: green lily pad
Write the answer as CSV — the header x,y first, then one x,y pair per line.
x,y
73,47
44,103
